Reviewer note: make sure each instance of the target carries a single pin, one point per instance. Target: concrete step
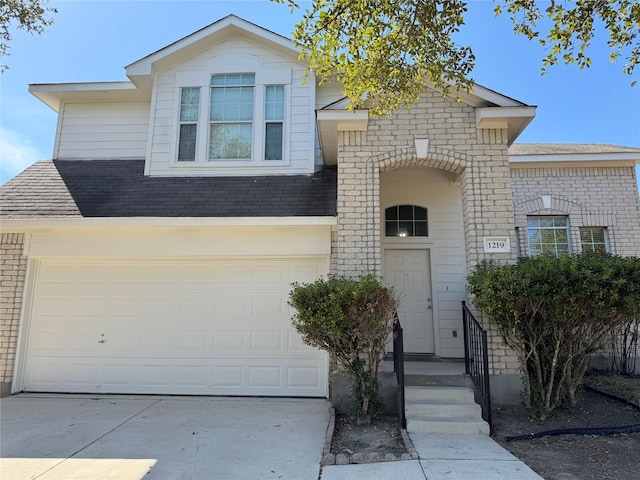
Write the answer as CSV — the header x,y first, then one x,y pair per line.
x,y
433,393
439,425
458,380
443,408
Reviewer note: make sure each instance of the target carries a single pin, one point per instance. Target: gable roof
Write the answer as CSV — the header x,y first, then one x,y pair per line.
x,y
140,72
118,188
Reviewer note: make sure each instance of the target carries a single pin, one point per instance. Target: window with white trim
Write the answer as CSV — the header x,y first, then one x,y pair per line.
x,y
548,235
233,119
189,112
594,239
274,122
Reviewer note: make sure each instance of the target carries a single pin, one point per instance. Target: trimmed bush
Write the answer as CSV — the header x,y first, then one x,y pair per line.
x,y
554,312
352,320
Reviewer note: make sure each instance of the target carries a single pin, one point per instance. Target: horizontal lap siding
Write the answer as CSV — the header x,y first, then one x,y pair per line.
x,y
97,130
301,130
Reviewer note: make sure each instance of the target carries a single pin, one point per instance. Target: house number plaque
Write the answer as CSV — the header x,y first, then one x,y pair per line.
x,y
497,245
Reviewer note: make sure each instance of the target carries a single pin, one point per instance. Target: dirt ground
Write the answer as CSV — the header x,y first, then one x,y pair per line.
x,y
564,457
382,436
579,457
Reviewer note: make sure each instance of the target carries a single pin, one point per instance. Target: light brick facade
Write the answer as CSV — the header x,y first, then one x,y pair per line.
x,y
456,145
589,196
13,267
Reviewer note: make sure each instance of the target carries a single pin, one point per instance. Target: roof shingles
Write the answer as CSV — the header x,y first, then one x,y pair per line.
x,y
567,149
118,188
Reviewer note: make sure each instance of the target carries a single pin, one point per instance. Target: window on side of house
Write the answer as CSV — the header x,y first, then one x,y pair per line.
x,y
274,122
189,111
406,221
548,234
594,239
231,117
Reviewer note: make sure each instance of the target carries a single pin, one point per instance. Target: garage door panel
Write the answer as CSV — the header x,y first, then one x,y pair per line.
x,y
222,377
265,340
221,327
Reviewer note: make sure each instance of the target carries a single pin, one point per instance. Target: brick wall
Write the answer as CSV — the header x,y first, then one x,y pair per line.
x,y
456,146
589,196
13,266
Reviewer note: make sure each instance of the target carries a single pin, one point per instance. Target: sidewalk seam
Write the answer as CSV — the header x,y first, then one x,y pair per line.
x,y
99,438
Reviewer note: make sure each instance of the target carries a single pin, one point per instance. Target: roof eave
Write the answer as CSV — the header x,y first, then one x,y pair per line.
x,y
512,118
141,71
56,94
330,122
29,224
625,159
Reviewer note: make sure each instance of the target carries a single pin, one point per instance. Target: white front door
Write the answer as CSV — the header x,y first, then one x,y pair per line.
x,y
409,272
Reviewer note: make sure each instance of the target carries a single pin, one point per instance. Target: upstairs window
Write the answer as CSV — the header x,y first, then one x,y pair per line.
x,y
189,112
406,221
274,122
594,239
548,234
231,117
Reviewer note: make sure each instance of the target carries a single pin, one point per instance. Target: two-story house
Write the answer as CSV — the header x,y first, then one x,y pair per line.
x,y
156,251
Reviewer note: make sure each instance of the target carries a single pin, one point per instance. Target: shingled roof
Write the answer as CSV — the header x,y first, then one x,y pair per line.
x,y
567,149
118,188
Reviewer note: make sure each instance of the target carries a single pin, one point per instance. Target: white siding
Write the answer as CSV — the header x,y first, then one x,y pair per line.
x,y
229,57
327,94
103,130
435,190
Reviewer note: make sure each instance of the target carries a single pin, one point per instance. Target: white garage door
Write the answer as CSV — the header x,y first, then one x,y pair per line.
x,y
208,328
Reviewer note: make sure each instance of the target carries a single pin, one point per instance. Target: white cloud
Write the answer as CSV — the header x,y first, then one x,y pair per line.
x,y
16,153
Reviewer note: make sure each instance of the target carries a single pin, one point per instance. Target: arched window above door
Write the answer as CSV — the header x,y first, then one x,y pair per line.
x,y
406,221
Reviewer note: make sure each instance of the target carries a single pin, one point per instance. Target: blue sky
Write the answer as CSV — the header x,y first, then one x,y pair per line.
x,y
95,40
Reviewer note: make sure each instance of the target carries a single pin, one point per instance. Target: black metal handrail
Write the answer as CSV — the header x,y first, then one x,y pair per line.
x,y
398,367
476,359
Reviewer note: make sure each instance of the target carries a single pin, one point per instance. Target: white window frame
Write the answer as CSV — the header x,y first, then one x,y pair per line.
x,y
604,233
263,78
182,122
566,228
251,122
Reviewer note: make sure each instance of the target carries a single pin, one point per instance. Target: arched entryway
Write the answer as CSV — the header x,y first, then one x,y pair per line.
x,y
423,255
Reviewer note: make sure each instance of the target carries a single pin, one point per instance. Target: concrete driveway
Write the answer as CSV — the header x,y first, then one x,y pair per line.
x,y
130,437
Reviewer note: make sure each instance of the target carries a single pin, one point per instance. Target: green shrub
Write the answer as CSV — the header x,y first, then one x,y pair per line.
x,y
555,312
352,320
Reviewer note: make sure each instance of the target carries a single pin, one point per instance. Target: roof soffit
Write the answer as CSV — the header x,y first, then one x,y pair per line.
x,y
54,95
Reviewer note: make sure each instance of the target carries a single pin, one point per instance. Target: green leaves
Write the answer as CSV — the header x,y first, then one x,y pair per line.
x,y
352,320
383,52
29,15
554,312
572,27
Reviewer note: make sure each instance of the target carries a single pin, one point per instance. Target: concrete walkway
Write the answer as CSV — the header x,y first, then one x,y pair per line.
x,y
129,438
442,457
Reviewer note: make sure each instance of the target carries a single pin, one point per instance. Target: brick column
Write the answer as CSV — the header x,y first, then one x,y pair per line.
x,y
358,248
487,198
488,211
13,267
